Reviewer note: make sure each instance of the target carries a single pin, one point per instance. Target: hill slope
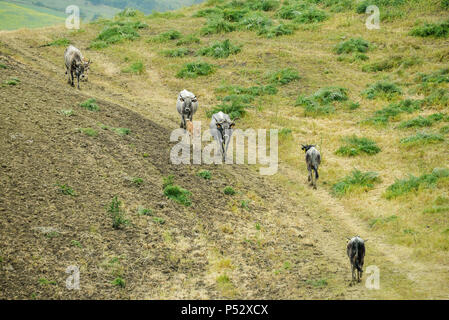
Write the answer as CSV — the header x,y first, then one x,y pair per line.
x,y
291,243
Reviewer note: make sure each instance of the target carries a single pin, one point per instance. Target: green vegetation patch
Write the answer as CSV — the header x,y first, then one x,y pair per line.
x,y
229,191
352,45
422,138
166,36
384,115
283,76
90,104
205,174
420,121
385,89
355,145
117,214
195,69
135,68
435,30
220,49
355,180
175,192
323,101
412,183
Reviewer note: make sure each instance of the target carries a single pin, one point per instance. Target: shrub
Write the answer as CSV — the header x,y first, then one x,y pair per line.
x,y
435,30
355,180
178,194
195,69
382,89
422,138
354,146
90,104
220,49
283,76
412,183
383,115
216,26
229,191
118,219
166,36
352,45
136,68
205,174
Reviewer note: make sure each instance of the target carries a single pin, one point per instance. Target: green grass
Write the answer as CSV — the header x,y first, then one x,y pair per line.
x,y
412,183
144,211
117,31
11,82
67,113
229,191
195,69
63,42
420,121
352,45
66,190
76,243
119,282
117,214
311,15
135,68
323,101
356,180
90,104
283,76
235,109
205,174
435,30
422,138
354,146
390,112
158,220
317,283
277,31
176,53
380,221
382,89
167,36
220,49
217,26
188,40
178,194
137,181
45,282
391,63
88,131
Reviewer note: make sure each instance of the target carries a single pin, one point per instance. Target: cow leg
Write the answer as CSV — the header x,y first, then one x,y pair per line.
x,y
68,75
71,77
314,180
78,79
184,122
353,272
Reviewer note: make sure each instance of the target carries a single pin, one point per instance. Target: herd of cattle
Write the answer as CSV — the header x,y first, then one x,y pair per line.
x,y
221,127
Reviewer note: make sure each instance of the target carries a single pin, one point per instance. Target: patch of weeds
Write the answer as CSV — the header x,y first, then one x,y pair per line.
x,y
195,69
205,174
253,91
438,96
117,31
88,131
311,15
277,31
158,220
220,49
390,63
11,82
380,221
258,227
217,26
144,211
255,22
188,40
382,89
167,181
90,104
244,204
117,214
63,42
444,130
439,76
356,180
352,45
137,181
283,76
166,36
355,145
67,113
45,282
422,138
176,193
76,243
384,115
135,68
317,283
122,131
3,66
235,109
322,101
285,132
66,190
412,183
420,121
176,53
292,11
229,191
434,30
119,282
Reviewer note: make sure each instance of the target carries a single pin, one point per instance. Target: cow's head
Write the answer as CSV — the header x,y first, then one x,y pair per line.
x,y
306,147
85,74
187,104
225,128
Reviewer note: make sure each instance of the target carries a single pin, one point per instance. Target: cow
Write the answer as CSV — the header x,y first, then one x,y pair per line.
x,y
313,160
187,105
75,64
356,254
221,128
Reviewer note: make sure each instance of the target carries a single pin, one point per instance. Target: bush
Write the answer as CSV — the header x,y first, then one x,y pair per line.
x,y
90,104
352,45
205,174
195,69
330,94
382,89
229,191
435,30
355,180
220,49
263,5
354,146
178,194
283,76
383,115
422,138
136,68
412,183
216,26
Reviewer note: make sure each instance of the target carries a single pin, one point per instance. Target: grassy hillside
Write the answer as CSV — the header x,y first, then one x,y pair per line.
x,y
376,103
